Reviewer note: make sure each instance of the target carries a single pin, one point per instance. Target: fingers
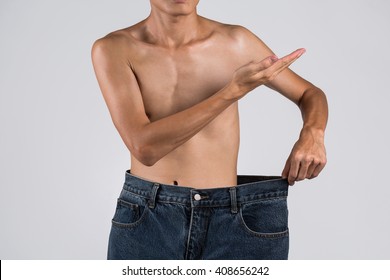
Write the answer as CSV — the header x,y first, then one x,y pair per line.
x,y
318,169
267,69
310,170
294,55
284,62
298,170
265,63
286,169
303,170
286,172
293,173
268,61
297,53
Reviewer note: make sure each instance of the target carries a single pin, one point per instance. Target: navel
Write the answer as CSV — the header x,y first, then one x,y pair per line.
x,y
175,183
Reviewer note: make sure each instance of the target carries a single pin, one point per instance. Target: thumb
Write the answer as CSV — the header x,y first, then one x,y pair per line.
x,y
274,58
286,169
267,62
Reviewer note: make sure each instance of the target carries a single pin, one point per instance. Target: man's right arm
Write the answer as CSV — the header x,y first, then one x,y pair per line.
x,y
151,141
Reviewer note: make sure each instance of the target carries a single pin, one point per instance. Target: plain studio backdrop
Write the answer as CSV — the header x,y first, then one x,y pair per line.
x,y
62,163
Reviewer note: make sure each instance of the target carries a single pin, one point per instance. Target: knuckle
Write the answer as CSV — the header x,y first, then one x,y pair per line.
x,y
307,159
265,64
292,177
317,161
298,157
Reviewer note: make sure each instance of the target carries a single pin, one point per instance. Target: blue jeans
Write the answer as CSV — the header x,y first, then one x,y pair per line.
x,y
159,221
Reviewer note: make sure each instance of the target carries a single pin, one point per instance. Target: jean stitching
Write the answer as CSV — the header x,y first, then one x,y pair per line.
x,y
264,195
263,199
127,204
132,225
136,194
262,234
189,236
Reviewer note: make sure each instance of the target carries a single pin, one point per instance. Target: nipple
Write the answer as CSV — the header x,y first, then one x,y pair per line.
x,y
175,183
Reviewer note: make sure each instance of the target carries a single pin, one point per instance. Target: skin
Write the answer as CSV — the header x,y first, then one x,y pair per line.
x,y
171,83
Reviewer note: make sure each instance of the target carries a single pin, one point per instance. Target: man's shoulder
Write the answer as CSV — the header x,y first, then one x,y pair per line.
x,y
116,42
235,32
243,42
115,38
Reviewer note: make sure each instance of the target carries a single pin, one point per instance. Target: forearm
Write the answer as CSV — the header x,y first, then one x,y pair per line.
x,y
308,156
160,137
314,109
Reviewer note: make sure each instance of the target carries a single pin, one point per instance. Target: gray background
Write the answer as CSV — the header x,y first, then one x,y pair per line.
x,y
62,162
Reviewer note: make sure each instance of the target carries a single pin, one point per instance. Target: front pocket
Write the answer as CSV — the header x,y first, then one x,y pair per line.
x,y
128,214
266,218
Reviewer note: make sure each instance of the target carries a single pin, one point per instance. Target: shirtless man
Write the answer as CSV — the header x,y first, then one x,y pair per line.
x,y
171,83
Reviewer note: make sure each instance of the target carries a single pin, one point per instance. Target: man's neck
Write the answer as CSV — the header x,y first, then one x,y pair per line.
x,y
173,31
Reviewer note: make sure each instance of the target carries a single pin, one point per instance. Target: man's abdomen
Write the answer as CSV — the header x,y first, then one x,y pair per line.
x,y
207,160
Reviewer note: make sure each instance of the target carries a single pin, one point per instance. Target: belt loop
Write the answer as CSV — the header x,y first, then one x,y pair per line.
x,y
233,198
152,200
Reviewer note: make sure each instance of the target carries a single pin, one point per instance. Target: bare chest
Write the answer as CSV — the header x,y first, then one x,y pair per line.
x,y
174,81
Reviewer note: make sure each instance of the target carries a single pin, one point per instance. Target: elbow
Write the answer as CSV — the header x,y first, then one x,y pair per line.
x,y
145,154
141,148
309,93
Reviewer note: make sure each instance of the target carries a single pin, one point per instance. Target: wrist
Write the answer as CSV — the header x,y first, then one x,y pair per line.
x,y
232,92
314,131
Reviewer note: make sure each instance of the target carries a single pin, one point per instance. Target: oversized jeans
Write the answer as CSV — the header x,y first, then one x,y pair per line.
x,y
160,221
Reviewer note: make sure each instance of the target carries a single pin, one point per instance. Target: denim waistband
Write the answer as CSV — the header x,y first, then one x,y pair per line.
x,y
249,188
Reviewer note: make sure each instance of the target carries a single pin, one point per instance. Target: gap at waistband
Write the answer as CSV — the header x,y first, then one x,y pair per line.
x,y
249,188
241,180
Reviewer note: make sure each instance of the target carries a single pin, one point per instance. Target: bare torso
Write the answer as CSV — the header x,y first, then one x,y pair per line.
x,y
173,80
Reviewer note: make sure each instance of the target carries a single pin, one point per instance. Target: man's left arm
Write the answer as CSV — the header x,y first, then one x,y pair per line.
x,y
308,155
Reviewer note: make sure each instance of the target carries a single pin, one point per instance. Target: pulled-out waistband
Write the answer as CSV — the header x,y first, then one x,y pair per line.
x,y
249,188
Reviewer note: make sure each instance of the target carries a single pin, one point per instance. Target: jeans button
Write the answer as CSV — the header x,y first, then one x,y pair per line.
x,y
197,196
